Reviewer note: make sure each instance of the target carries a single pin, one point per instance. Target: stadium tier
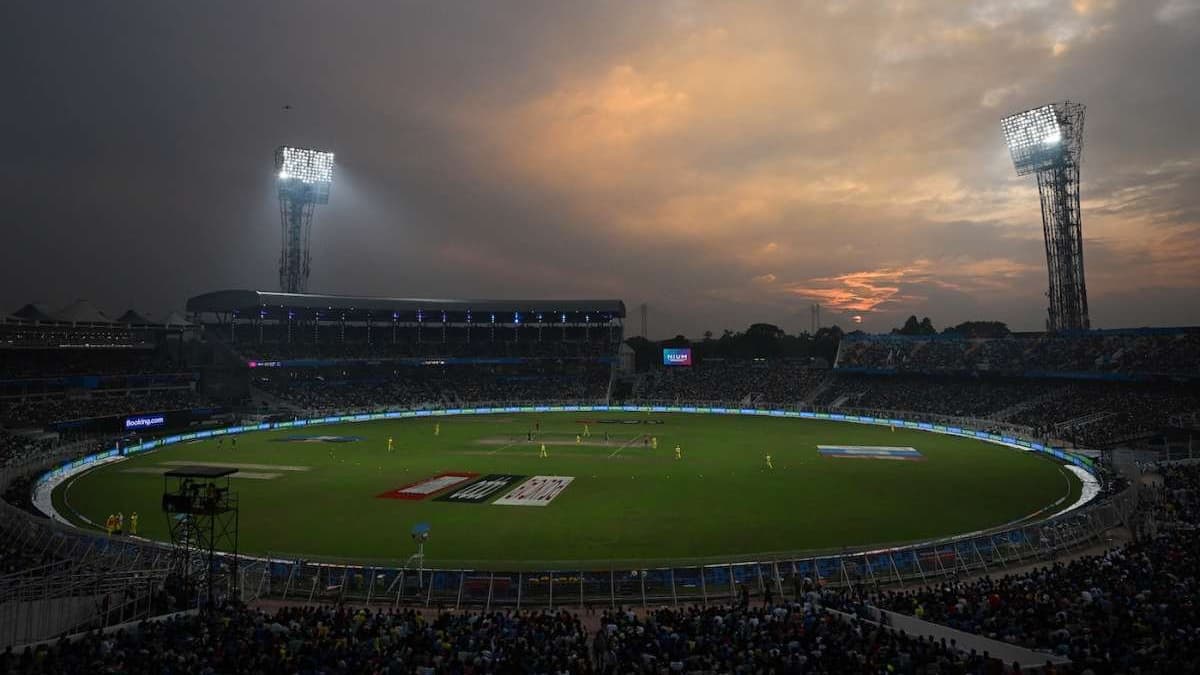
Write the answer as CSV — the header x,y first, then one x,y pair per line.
x,y
78,372
271,327
1133,354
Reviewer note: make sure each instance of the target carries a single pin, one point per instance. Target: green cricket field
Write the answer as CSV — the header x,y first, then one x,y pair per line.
x,y
608,490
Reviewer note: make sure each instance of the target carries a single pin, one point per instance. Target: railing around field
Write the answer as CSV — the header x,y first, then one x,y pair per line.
x,y
310,579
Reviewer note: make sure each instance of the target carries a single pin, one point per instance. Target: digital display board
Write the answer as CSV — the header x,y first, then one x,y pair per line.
x,y
677,357
145,421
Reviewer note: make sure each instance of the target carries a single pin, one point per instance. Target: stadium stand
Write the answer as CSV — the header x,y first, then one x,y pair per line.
x,y
1086,412
1117,354
77,365
261,326
779,382
326,353
375,387
48,411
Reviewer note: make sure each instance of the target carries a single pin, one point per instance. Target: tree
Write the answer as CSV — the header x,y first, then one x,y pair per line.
x,y
825,342
979,329
913,327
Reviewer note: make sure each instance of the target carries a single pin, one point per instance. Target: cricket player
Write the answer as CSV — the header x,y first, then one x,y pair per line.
x,y
133,518
654,442
543,454
391,446
587,432
678,452
437,429
578,439
769,464
110,524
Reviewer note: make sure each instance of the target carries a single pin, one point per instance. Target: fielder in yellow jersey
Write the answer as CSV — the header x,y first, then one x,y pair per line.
x,y
437,429
769,464
678,452
543,453
390,445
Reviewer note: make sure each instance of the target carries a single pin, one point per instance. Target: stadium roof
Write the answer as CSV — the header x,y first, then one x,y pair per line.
x,y
82,311
176,320
133,318
34,312
248,301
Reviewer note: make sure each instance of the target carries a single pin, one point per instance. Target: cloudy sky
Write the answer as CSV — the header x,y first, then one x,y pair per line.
x,y
724,162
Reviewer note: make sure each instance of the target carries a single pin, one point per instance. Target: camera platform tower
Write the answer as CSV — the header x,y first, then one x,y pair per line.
x,y
202,516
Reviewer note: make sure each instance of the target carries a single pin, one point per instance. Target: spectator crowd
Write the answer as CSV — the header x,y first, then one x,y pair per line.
x,y
380,387
1128,353
48,410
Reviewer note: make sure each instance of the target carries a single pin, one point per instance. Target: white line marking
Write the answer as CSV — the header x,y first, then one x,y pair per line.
x,y
235,465
614,452
503,447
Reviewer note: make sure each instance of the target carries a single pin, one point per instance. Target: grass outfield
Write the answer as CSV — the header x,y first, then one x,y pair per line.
x,y
627,502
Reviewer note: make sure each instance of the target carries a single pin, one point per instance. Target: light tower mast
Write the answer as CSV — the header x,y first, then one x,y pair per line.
x,y
1048,141
304,179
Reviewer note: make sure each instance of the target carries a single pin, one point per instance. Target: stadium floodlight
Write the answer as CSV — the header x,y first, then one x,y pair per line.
x,y
1034,139
304,178
1048,141
304,165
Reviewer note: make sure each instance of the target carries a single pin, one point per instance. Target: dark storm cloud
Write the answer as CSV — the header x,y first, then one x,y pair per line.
x,y
724,162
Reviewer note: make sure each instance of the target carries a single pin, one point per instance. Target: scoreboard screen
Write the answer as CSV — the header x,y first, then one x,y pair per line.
x,y
677,357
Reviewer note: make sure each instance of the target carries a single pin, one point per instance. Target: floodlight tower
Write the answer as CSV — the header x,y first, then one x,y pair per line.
x,y
1048,141
304,179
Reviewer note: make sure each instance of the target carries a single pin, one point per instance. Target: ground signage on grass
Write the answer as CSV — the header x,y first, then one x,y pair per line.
x,y
317,439
428,486
481,490
537,491
871,452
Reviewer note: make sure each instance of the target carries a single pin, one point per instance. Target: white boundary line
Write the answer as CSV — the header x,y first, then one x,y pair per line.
x,y
43,496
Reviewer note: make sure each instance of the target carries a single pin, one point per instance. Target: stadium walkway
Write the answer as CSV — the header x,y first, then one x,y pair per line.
x,y
967,642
